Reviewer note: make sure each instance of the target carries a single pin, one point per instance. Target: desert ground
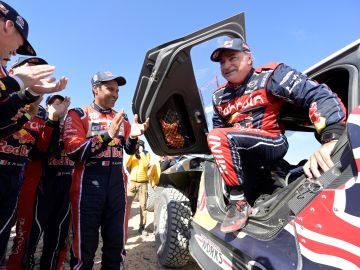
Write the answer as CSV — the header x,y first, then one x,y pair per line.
x,y
141,252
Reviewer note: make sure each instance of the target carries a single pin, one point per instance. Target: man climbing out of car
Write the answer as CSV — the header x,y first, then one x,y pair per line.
x,y
246,130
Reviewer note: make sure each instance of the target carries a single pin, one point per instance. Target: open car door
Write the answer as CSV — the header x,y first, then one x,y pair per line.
x,y
167,92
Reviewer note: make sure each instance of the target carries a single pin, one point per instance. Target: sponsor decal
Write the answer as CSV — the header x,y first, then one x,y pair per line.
x,y
239,117
264,79
98,127
63,161
228,44
215,146
252,84
25,137
20,22
2,86
315,117
240,104
107,153
213,252
291,80
21,150
3,9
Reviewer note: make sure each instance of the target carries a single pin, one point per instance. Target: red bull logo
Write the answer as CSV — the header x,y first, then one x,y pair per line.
x,y
315,117
313,113
239,117
23,137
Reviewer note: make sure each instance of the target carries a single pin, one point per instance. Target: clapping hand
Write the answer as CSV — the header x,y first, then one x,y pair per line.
x,y
50,85
36,78
138,129
58,109
115,126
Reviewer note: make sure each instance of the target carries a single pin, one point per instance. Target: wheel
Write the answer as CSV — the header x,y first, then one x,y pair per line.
x,y
171,221
150,199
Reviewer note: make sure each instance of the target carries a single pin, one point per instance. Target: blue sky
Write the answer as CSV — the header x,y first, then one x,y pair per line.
x,y
83,37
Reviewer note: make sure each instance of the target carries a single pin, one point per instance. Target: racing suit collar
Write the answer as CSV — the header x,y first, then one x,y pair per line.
x,y
100,109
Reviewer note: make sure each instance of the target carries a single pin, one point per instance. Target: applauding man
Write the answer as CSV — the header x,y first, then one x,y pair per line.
x,y
95,138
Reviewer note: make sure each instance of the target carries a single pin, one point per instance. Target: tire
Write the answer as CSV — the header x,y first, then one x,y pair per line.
x,y
171,221
150,199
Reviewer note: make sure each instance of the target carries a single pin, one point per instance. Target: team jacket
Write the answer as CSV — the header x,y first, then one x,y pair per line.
x,y
12,98
258,101
86,137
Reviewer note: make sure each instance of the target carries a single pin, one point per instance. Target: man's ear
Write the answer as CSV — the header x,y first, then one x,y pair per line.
x,y
250,60
95,90
9,26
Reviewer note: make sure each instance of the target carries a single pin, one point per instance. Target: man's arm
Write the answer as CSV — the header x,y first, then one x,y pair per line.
x,y
8,85
326,112
10,106
14,126
325,108
47,135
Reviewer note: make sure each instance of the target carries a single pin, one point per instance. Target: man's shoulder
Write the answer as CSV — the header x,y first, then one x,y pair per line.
x,y
268,66
220,88
79,111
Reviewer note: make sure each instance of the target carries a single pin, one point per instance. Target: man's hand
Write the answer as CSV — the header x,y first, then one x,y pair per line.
x,y
114,129
31,75
50,85
58,109
33,108
138,129
321,158
18,115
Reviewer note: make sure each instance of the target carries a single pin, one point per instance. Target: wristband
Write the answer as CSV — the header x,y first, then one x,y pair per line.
x,y
328,137
28,116
32,92
19,81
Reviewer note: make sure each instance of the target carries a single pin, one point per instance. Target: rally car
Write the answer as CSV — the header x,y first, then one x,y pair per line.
x,y
296,223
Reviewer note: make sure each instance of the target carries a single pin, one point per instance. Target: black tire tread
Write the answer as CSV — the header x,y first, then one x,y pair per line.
x,y
176,250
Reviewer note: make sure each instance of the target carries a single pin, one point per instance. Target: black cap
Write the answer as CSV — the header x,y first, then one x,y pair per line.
x,y
21,25
104,76
31,60
234,44
50,99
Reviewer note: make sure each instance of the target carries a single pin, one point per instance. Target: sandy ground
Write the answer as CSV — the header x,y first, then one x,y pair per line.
x,y
141,253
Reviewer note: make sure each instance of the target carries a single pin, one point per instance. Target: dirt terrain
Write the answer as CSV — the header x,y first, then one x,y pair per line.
x,y
141,253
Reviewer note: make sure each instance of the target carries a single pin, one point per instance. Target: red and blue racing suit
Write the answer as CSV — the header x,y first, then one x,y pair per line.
x,y
246,128
98,190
